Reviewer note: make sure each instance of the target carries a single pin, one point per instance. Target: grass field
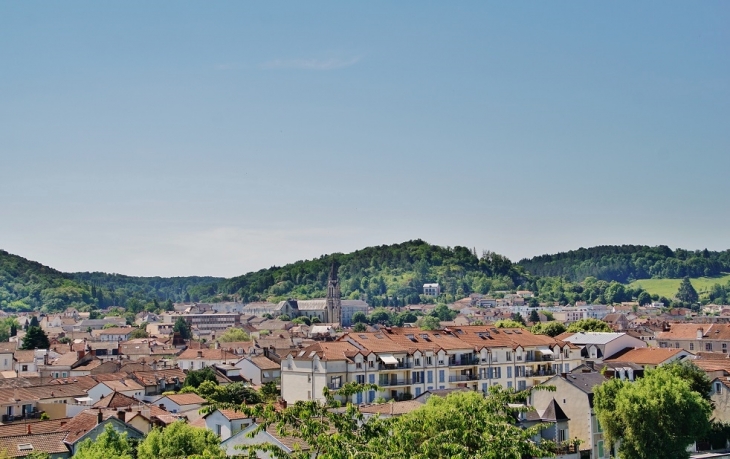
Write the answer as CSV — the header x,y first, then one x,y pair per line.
x,y
668,287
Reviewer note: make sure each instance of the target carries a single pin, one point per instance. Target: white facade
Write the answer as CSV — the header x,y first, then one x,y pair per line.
x,y
224,427
431,289
305,377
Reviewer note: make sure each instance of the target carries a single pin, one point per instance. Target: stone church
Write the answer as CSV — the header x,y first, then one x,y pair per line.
x,y
330,310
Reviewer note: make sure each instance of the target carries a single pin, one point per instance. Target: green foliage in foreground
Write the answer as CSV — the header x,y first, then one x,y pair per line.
x,y
178,441
462,425
656,417
589,325
109,444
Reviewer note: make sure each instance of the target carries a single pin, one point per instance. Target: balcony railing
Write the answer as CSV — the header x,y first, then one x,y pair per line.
x,y
392,382
400,366
462,378
22,417
464,361
532,373
332,386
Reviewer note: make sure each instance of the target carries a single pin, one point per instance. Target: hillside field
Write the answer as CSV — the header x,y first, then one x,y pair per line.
x,y
668,287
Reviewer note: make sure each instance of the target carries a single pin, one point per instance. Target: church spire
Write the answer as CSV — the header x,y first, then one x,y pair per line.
x,y
334,302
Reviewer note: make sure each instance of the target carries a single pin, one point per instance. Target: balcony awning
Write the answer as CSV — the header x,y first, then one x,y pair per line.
x,y
388,359
545,350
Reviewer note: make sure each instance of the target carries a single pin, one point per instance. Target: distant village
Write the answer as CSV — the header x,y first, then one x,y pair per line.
x,y
95,372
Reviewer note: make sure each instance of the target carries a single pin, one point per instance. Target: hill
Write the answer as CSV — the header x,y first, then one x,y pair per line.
x,y
668,287
627,263
30,286
386,275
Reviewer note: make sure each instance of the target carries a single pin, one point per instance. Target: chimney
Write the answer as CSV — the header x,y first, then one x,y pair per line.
x,y
120,415
590,364
564,375
700,333
200,354
100,417
162,406
28,431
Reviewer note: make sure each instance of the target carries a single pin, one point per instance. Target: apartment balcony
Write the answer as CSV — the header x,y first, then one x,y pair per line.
x,y
538,373
400,366
393,382
334,386
462,378
22,417
543,358
464,361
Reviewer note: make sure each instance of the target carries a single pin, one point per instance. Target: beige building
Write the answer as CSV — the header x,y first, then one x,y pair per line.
x,y
696,337
574,393
406,362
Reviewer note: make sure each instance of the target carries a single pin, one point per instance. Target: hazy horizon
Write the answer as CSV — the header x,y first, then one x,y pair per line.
x,y
218,139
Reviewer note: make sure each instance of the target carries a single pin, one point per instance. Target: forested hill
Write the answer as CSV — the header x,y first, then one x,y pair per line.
x,y
30,286
385,275
624,263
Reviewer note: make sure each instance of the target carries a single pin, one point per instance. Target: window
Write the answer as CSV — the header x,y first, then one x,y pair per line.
x,y
509,373
509,356
509,384
676,345
358,365
63,374
708,346
418,391
724,348
497,373
429,360
567,367
371,379
562,435
218,429
429,376
441,376
25,368
521,385
600,448
361,379
418,362
566,353
691,346
718,388
371,364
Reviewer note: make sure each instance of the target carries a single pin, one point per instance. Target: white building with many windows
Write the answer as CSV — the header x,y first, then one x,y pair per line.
x,y
405,362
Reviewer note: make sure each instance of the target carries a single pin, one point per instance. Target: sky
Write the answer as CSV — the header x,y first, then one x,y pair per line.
x,y
218,138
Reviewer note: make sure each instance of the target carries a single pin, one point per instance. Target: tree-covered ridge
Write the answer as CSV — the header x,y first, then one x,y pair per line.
x,y
117,289
30,286
387,275
624,263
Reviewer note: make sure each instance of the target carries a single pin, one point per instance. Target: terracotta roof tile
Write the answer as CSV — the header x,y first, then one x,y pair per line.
x,y
646,355
51,443
186,399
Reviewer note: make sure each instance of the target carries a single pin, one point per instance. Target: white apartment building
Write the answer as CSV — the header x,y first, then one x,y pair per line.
x,y
411,361
431,289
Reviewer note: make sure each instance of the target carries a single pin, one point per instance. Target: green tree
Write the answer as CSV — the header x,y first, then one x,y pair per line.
x,y
517,317
534,316
552,329
508,323
359,327
687,293
269,391
359,317
196,377
443,312
107,326
138,333
658,416
181,326
178,441
35,338
644,298
429,323
109,444
302,320
688,371
284,318
463,424
33,322
233,335
589,325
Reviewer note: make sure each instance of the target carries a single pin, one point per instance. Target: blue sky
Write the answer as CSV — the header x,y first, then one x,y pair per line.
x,y
208,138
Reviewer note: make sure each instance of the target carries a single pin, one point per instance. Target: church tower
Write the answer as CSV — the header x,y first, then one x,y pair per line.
x,y
334,303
